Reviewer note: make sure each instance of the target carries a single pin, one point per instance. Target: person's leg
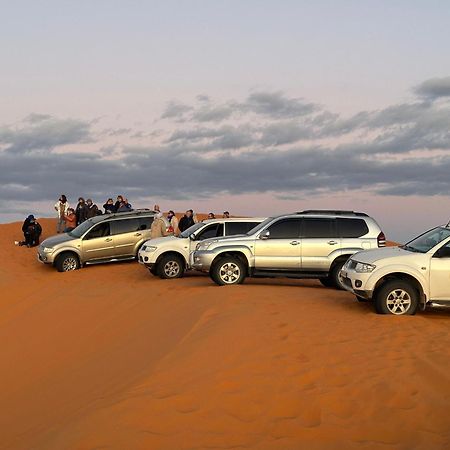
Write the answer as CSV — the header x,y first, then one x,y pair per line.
x,y
61,225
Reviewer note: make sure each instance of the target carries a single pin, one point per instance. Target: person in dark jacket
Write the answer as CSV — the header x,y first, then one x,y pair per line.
x,y
109,206
187,220
81,211
32,230
91,209
124,206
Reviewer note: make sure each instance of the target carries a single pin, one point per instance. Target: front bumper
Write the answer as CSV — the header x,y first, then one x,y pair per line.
x,y
355,282
202,260
44,258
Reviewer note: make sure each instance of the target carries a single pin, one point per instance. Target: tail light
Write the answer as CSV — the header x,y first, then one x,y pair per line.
x,y
381,240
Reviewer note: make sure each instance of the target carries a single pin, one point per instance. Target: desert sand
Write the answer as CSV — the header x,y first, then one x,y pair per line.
x,y
111,357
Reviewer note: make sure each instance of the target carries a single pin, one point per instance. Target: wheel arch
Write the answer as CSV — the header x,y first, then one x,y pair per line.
x,y
172,253
234,253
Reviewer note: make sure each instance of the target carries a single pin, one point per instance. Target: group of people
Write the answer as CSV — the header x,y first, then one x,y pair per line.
x,y
69,218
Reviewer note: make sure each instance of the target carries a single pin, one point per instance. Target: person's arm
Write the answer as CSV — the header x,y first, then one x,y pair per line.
x,y
38,229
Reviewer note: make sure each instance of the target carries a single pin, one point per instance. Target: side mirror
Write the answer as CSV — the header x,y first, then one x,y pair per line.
x,y
192,237
264,235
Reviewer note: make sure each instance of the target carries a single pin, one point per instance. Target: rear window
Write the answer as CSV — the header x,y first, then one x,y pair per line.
x,y
233,228
319,228
352,228
124,226
145,223
210,231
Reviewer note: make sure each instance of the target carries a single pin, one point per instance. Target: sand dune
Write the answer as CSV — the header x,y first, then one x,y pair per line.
x,y
111,357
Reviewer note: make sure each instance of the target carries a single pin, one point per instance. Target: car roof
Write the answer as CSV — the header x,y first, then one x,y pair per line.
x,y
124,215
331,213
235,219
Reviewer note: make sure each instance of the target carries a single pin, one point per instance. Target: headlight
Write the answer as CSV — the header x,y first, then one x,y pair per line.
x,y
148,248
48,249
364,267
205,245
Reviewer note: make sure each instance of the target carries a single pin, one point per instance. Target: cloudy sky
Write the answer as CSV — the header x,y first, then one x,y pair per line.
x,y
258,107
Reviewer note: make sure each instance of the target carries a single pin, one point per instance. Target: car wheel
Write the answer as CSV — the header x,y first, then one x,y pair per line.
x,y
228,271
327,282
361,299
397,297
67,261
153,271
170,266
334,274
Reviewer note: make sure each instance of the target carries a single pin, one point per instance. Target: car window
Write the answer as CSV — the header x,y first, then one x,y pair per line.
x,y
428,240
285,229
233,228
352,228
210,231
81,229
124,226
100,230
145,223
319,228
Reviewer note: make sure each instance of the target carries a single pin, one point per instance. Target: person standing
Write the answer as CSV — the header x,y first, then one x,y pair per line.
x,y
159,228
81,211
91,209
109,206
187,220
124,206
211,216
173,223
61,208
226,215
71,220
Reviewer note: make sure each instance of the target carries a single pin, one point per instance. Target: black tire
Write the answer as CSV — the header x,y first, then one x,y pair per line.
x,y
228,271
153,271
67,262
334,274
397,297
170,267
326,282
361,299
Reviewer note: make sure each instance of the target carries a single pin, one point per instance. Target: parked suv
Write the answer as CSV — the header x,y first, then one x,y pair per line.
x,y
105,238
168,257
307,244
401,279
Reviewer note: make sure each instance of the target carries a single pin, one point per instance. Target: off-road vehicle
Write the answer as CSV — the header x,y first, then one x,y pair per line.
x,y
402,279
105,238
168,257
307,244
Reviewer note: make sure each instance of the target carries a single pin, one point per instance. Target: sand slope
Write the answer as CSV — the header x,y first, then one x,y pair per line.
x,y
111,357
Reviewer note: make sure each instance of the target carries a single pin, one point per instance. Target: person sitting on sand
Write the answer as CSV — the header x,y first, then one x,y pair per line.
x,y
71,220
32,230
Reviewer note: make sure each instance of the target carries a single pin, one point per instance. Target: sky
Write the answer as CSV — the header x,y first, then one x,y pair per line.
x,y
256,107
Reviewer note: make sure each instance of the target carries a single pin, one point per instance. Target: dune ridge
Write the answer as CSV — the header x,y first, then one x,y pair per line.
x,y
111,357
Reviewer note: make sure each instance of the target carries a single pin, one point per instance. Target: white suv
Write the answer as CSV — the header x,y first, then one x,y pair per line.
x,y
401,279
168,257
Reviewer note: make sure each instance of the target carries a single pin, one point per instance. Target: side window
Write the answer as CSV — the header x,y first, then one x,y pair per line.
x,y
319,228
100,230
285,229
444,251
145,223
210,231
352,228
233,228
124,226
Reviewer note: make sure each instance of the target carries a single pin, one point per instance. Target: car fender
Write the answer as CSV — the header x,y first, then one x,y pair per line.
x,y
221,249
67,249
420,276
337,253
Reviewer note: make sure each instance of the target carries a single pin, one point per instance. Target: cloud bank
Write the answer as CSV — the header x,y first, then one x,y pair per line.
x,y
267,142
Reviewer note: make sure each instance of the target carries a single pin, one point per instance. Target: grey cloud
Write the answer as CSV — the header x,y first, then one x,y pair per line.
x,y
175,110
44,134
434,88
213,113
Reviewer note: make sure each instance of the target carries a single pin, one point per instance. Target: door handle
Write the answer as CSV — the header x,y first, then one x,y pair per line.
x,y
294,243
108,239
332,242
138,234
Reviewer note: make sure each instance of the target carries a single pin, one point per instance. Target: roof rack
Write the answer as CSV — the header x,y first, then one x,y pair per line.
x,y
332,212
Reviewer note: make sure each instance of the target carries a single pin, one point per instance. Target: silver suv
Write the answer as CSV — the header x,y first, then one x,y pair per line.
x,y
105,238
307,244
168,257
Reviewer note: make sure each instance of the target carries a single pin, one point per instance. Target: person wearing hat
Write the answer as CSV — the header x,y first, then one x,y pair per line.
x,y
32,230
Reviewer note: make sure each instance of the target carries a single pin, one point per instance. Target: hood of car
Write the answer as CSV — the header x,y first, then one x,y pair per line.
x,y
225,239
371,256
58,239
162,240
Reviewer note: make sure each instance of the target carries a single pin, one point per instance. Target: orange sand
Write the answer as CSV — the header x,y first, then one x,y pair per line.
x,y
112,357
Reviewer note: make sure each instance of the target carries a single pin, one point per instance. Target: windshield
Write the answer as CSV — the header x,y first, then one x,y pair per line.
x,y
259,227
190,230
81,229
428,240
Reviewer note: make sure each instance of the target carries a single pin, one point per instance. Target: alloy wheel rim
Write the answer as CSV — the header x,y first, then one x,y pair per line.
x,y
69,264
230,273
172,268
398,302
